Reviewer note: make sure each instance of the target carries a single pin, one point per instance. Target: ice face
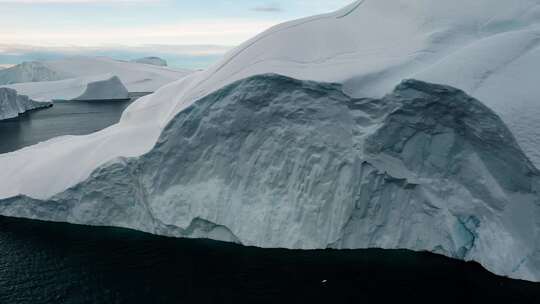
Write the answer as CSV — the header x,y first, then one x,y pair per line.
x,y
110,88
271,161
13,104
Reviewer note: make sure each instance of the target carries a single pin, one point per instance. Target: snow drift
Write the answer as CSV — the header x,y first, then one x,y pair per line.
x,y
13,104
100,87
135,76
465,179
275,162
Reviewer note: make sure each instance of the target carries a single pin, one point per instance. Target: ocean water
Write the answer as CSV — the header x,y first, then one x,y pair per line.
x,y
61,263
64,118
44,262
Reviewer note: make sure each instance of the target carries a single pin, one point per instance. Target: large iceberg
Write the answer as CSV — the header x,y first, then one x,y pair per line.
x,y
99,87
137,77
275,162
12,104
424,168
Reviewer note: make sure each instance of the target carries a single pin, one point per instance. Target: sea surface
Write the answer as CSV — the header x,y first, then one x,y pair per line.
x,y
61,263
64,118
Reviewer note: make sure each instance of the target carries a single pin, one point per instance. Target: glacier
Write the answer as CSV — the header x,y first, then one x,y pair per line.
x,y
99,87
490,49
137,77
12,104
271,161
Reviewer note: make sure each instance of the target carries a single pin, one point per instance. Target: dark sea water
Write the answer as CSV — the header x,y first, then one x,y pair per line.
x,y
62,263
64,118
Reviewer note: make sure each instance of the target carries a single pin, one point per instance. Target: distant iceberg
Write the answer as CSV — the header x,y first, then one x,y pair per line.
x,y
137,77
152,60
13,104
100,87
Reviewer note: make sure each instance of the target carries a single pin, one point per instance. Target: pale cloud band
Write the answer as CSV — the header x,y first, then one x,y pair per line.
x,y
220,32
190,50
77,1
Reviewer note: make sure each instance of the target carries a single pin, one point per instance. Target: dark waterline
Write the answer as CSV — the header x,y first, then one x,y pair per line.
x,y
64,118
61,263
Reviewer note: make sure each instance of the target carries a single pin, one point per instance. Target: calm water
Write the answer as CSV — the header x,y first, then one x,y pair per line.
x,y
64,118
61,263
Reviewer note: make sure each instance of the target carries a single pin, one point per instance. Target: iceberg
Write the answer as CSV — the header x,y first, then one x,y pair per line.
x,y
237,153
29,72
271,161
137,77
13,104
152,60
100,87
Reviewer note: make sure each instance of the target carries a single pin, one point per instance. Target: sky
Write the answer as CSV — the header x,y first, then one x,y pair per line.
x,y
191,31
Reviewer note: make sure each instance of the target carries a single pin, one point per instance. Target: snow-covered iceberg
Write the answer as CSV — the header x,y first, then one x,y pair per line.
x,y
99,87
276,162
458,186
12,104
152,60
29,72
137,77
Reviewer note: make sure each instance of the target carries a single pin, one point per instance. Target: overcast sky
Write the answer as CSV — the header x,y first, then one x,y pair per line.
x,y
142,22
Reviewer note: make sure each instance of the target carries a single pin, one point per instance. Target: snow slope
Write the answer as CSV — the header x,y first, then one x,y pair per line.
x,y
137,77
276,162
13,104
97,87
488,47
152,60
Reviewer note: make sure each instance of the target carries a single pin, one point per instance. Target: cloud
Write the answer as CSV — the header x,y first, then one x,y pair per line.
x,y
187,50
196,32
268,8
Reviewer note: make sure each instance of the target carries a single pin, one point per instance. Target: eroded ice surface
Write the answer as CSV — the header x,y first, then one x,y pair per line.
x,y
13,104
274,162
